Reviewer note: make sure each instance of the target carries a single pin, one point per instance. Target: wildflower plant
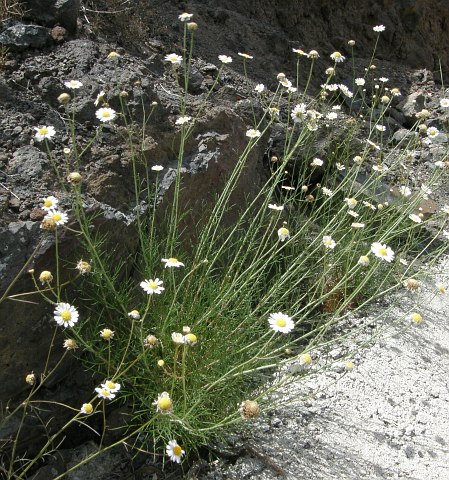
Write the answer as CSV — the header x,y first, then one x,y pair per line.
x,y
247,291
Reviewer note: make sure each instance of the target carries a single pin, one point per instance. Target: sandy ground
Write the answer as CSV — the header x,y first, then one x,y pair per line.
x,y
387,418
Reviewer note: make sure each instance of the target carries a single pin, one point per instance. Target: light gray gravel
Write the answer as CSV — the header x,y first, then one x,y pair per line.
x,y
388,418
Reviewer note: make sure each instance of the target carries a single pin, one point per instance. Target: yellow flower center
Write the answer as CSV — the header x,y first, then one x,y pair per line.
x,y
283,231
164,404
48,203
172,260
56,217
110,385
177,450
280,322
416,317
153,286
106,114
105,392
337,54
88,408
383,251
43,131
66,315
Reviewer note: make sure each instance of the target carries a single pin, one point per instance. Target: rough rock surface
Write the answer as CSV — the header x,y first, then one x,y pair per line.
x,y
388,418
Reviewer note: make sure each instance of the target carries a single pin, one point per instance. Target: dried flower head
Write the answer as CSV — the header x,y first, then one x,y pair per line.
x,y
150,341
83,267
134,314
64,98
412,285
30,379
48,224
74,177
70,344
45,277
249,409
163,403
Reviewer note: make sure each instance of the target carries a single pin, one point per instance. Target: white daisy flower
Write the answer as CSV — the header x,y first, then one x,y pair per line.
x,y
337,57
351,202
111,386
87,408
327,192
44,133
59,217
415,218
50,203
224,59
328,242
185,17
405,191
432,132
298,113
157,168
379,28
173,58
182,120
172,262
245,56
381,128
105,114
65,315
444,102
73,84
360,82
317,162
357,225
178,338
104,393
382,251
174,451
340,166
352,213
100,98
363,261
152,286
253,133
259,88
273,206
283,234
280,322
383,79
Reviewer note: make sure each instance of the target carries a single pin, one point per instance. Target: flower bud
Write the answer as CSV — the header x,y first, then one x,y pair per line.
x,y
64,98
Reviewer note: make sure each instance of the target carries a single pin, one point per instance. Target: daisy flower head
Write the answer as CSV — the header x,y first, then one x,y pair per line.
x,y
432,132
70,344
445,209
351,202
163,403
49,203
299,112
357,225
100,98
340,166
337,57
178,338
134,314
172,262
190,339
283,234
328,242
174,451
305,359
105,114
444,102
182,120
440,287
45,277
30,379
107,334
405,191
273,206
379,28
313,54
73,84
299,52
360,82
224,58
157,168
253,133
280,322
111,386
363,261
415,317
87,408
415,218
104,393
317,162
352,213
328,192
382,251
44,133
245,56
152,286
65,315
59,217
381,128
173,58
185,17
259,88
332,115
83,267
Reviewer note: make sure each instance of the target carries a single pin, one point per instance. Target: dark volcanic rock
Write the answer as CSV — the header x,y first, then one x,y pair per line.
x,y
52,12
21,37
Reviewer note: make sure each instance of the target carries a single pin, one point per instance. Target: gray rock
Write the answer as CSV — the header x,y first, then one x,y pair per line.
x,y
29,162
412,104
20,37
51,12
403,135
